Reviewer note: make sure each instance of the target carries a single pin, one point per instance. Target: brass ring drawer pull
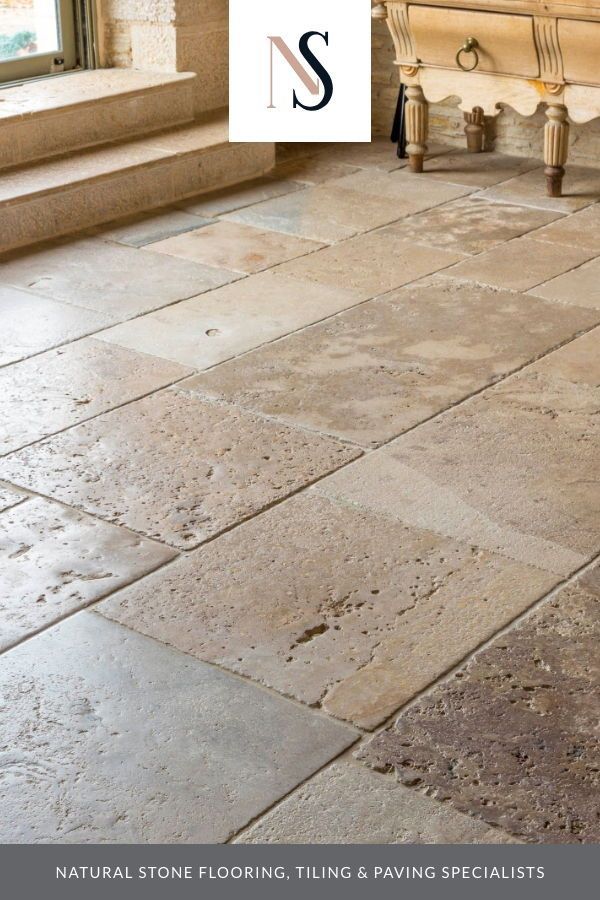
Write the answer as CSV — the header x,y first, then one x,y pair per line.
x,y
468,47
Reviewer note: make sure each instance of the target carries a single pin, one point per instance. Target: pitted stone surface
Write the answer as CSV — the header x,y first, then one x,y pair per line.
x,y
470,224
579,230
331,605
478,169
10,497
174,468
348,804
369,373
108,737
581,187
515,470
513,737
112,279
580,288
216,203
31,324
55,560
57,389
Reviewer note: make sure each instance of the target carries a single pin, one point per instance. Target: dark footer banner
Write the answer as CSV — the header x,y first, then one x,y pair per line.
x,y
311,871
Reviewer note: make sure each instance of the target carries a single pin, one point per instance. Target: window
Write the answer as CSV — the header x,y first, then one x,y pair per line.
x,y
37,37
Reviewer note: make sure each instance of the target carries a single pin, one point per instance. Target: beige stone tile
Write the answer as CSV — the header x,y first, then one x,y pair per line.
x,y
370,264
412,193
117,281
374,612
470,224
580,288
221,324
31,324
380,153
581,187
477,169
146,228
114,739
515,470
55,390
174,468
347,803
312,170
240,248
226,200
372,372
582,229
520,264
55,560
9,497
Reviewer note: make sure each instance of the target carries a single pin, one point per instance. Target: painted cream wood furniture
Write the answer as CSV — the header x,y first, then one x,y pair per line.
x,y
518,53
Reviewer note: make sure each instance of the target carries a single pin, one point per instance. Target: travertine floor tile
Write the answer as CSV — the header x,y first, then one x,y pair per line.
x,y
470,224
520,264
515,470
371,372
413,194
216,203
312,170
173,467
10,497
30,324
477,169
108,737
332,604
137,231
348,804
115,280
370,264
581,187
380,153
582,229
581,287
233,319
512,737
240,248
55,560
43,395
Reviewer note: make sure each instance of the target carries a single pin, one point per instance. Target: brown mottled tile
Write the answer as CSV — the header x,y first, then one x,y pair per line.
x,y
579,288
55,560
470,224
57,389
174,468
520,264
240,248
581,187
513,737
371,372
332,604
582,229
515,470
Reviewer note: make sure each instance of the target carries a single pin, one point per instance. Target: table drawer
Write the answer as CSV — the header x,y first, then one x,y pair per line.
x,y
506,44
580,45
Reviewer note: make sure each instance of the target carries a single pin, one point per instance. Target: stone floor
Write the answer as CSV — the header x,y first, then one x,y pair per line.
x,y
299,512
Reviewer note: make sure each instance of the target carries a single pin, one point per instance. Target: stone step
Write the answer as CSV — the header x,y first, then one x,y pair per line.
x,y
79,109
48,199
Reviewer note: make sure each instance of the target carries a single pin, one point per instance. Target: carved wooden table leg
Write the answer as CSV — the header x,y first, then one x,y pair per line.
x,y
474,129
556,148
417,123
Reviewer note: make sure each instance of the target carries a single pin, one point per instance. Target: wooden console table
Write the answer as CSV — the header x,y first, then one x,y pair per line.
x,y
489,52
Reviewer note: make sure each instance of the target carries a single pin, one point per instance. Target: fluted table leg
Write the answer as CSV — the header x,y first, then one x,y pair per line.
x,y
417,124
474,129
556,148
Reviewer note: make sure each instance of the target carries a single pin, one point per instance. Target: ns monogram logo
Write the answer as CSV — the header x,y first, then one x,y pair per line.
x,y
312,82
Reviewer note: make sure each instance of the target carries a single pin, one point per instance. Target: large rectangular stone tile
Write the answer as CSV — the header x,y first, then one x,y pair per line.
x,y
520,264
470,224
513,736
372,372
111,738
332,605
349,804
57,389
31,324
413,194
55,560
580,287
477,169
173,467
581,187
582,229
115,280
216,203
515,470
9,497
240,248
139,230
312,170
221,324
370,264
